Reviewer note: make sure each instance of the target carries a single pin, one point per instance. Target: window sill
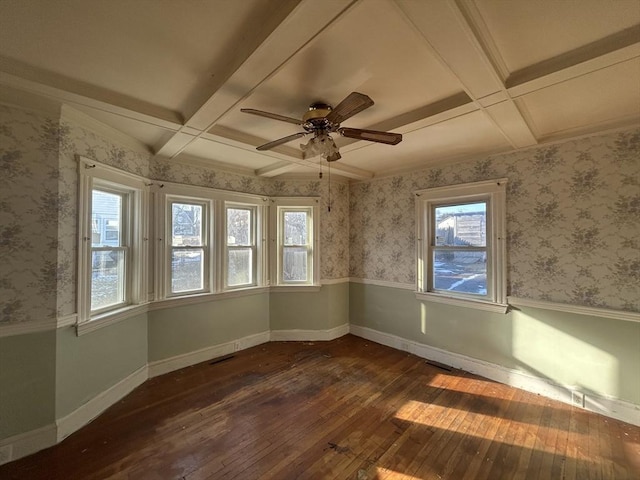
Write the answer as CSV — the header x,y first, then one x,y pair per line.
x,y
295,288
109,318
463,302
206,297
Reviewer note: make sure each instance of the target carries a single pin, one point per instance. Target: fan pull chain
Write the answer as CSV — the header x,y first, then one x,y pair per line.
x,y
329,170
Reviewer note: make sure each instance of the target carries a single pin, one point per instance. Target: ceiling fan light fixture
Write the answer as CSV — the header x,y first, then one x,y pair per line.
x,y
321,144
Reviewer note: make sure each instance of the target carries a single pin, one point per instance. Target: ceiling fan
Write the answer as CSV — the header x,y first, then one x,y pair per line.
x,y
322,119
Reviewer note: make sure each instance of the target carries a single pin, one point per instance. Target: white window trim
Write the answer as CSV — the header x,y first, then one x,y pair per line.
x,y
166,246
495,192
255,246
93,174
313,282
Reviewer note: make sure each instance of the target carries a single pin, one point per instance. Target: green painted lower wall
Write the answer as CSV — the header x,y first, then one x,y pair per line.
x,y
46,376
185,329
88,365
323,310
594,354
27,382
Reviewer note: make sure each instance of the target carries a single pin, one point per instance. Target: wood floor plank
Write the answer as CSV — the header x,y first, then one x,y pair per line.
x,y
345,409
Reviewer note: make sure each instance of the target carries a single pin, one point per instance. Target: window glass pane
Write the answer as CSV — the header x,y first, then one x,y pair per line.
x,y
460,271
186,224
295,228
187,270
107,278
461,225
106,219
294,264
239,267
238,226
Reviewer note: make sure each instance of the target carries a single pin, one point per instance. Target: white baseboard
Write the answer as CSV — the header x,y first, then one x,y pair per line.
x,y
160,367
18,446
309,335
98,404
608,406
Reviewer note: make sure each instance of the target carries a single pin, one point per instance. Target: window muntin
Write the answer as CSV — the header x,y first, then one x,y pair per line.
x,y
240,246
110,249
188,257
461,247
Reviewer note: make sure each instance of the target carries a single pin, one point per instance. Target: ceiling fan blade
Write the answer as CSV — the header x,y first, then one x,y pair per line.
x,y
371,135
354,103
274,116
280,141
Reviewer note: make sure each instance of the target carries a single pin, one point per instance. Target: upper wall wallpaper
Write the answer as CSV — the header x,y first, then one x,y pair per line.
x,y
28,215
573,220
38,208
573,215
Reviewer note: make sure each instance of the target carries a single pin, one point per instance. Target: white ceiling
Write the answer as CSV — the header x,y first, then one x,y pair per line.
x,y
457,78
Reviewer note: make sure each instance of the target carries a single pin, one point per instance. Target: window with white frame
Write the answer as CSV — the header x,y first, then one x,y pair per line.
x,y
112,249
296,253
461,244
240,245
187,247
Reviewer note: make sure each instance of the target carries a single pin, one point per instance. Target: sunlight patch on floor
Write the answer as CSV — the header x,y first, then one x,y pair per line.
x,y
393,475
430,415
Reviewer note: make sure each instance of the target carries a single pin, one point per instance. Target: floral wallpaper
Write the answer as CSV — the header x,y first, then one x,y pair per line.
x,y
28,207
573,215
38,207
573,220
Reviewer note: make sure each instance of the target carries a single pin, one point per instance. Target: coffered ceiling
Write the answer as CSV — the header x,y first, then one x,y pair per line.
x,y
457,78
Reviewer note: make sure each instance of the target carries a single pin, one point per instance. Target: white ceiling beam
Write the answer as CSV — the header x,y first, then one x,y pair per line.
x,y
275,169
303,24
66,90
244,140
505,115
577,63
457,36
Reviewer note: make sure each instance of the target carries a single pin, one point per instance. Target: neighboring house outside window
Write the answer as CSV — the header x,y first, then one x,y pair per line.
x,y
461,244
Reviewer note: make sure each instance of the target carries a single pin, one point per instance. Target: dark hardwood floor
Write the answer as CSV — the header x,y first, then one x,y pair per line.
x,y
345,409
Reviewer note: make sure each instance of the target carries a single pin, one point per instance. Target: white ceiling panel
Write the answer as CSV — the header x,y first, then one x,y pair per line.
x,y
161,52
601,97
528,32
453,139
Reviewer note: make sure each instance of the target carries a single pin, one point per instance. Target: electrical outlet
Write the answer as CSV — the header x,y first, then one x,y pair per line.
x,y
577,398
5,454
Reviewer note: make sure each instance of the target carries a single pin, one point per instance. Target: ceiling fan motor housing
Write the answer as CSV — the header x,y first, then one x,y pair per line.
x,y
315,118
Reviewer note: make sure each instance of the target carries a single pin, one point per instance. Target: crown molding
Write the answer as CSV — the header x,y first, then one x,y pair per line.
x,y
83,120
